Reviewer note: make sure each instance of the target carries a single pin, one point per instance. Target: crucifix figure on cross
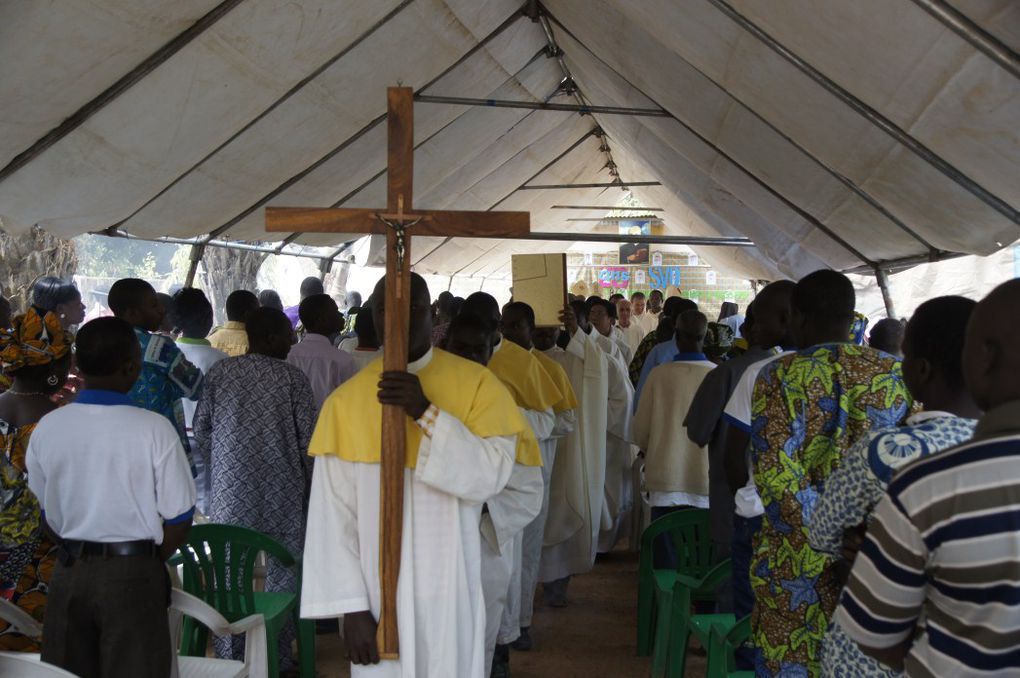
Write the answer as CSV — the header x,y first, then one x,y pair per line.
x,y
396,223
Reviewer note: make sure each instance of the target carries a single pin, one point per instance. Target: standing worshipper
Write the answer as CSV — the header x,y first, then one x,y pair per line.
x,y
933,372
633,332
232,338
518,326
462,435
325,366
252,428
35,352
167,376
192,314
934,589
310,286
62,298
809,408
887,335
270,299
676,470
577,486
706,425
367,346
729,315
663,346
114,487
520,501
444,314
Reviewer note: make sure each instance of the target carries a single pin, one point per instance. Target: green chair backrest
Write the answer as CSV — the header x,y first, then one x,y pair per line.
x,y
692,542
219,566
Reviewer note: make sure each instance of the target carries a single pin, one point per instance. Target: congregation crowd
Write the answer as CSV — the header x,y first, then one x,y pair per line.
x,y
864,487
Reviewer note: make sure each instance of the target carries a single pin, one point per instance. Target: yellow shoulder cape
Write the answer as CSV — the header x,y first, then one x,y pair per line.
x,y
559,377
529,384
350,422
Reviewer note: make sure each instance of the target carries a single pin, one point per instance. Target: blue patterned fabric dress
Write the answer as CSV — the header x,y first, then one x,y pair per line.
x,y
252,427
851,494
166,377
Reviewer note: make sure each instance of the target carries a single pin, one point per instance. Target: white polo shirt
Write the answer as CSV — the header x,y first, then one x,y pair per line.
x,y
105,470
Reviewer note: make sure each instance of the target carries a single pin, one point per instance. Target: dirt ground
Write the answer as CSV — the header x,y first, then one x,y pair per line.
x,y
594,637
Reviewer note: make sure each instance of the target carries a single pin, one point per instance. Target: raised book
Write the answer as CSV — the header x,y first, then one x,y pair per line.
x,y
540,280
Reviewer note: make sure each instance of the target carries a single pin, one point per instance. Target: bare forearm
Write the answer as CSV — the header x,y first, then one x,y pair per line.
x,y
173,537
735,458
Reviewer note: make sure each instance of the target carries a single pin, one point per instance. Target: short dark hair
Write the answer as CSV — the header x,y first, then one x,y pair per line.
x,y
936,332
49,291
191,312
887,335
271,299
522,308
240,304
265,322
127,293
482,304
580,309
311,309
103,345
674,306
364,327
826,295
637,295
311,285
468,321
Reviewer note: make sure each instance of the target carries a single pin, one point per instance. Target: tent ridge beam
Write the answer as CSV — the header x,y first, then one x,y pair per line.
x,y
893,265
772,191
613,208
269,109
870,114
583,109
604,184
128,80
846,181
979,38
364,130
693,240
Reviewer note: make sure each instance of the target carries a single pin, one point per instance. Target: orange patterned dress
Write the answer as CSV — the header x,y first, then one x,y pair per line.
x,y
26,556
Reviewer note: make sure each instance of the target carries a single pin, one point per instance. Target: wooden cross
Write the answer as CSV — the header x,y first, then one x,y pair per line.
x,y
395,222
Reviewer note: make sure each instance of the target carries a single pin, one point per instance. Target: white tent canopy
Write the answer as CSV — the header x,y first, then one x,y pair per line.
x,y
853,135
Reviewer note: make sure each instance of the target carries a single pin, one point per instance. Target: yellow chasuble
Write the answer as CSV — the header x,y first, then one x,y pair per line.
x,y
562,381
350,422
529,384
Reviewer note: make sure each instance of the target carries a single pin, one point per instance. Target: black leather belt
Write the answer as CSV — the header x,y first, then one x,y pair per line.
x,y
84,549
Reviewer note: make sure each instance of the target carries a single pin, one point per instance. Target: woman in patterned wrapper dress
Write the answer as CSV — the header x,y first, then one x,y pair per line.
x,y
61,298
36,354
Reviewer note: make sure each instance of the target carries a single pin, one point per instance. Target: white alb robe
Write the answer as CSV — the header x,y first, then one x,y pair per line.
x,y
502,529
531,542
440,607
578,478
618,500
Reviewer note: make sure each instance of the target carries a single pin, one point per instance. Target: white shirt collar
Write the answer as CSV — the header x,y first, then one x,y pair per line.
x,y
499,345
925,415
313,338
417,365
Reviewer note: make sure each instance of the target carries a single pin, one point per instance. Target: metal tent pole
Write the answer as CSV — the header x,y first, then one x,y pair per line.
x,y
882,276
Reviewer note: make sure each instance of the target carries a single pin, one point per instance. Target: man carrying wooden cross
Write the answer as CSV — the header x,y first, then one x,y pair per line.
x,y
462,427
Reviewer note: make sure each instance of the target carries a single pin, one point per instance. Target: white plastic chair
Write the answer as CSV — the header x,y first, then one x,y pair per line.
x,y
253,627
20,621
29,667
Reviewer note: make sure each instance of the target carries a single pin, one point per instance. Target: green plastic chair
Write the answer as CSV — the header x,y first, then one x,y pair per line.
x,y
721,646
689,531
673,631
219,567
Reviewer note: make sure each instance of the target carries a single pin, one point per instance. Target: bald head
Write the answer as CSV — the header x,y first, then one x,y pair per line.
x,y
991,353
419,321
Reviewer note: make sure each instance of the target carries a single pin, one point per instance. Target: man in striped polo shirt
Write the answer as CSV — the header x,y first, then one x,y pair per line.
x,y
945,541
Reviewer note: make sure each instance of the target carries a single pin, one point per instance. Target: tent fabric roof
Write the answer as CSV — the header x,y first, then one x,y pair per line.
x,y
188,118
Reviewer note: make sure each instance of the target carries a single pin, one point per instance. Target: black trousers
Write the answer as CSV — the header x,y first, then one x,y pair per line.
x,y
107,618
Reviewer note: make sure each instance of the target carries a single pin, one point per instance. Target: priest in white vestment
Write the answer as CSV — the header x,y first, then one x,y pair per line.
x,y
518,326
577,485
462,434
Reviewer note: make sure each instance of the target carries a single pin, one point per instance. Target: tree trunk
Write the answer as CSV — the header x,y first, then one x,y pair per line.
x,y
225,270
26,257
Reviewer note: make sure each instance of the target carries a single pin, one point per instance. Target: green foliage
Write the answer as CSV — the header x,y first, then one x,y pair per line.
x,y
104,257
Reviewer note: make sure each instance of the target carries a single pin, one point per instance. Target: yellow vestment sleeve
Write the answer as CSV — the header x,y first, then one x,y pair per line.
x,y
529,384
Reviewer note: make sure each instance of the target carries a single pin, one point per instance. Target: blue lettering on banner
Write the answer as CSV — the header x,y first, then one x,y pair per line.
x,y
663,276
